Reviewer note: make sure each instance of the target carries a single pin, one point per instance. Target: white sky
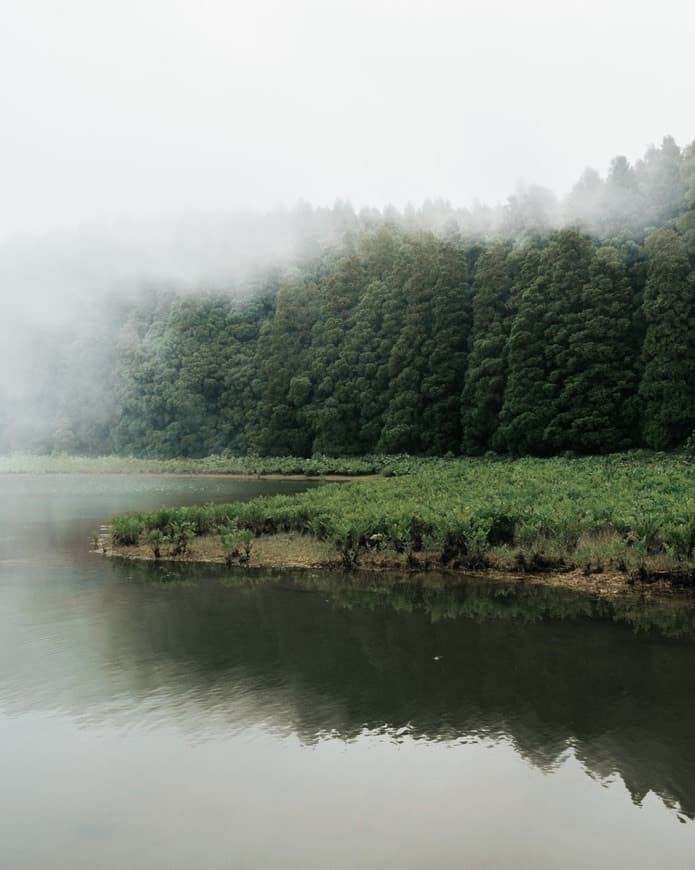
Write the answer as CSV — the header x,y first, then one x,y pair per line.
x,y
140,109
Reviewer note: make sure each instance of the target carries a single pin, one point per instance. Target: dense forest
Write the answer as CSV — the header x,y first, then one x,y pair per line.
x,y
539,328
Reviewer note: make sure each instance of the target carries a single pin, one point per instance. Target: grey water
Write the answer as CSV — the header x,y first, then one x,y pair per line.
x,y
181,717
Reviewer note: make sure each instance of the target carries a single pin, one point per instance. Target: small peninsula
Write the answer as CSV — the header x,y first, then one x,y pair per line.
x,y
601,524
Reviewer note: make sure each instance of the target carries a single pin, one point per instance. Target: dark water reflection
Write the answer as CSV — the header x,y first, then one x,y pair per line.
x,y
157,716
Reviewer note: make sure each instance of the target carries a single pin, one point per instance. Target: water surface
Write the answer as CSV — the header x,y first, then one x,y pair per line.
x,y
164,717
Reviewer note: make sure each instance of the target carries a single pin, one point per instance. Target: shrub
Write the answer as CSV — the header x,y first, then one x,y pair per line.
x,y
236,544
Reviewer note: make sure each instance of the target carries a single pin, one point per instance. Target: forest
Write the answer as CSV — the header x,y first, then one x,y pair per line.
x,y
540,328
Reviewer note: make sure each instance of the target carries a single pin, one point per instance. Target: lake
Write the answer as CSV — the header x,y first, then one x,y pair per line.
x,y
180,717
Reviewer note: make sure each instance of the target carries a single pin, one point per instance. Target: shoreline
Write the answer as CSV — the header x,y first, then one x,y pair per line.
x,y
601,525
234,475
294,551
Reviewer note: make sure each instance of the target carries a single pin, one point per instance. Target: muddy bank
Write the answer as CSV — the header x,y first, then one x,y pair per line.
x,y
292,550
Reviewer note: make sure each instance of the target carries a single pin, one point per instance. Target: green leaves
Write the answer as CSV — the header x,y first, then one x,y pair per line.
x,y
155,539
616,510
181,532
402,341
667,389
125,530
236,543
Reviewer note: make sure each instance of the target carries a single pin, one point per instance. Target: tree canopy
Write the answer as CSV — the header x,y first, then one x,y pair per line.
x,y
519,336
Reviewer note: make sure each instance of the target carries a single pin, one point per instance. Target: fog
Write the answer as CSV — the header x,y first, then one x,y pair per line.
x,y
134,110
65,295
196,146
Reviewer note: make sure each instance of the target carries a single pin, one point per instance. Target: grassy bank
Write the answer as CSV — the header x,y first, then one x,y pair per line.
x,y
317,466
628,514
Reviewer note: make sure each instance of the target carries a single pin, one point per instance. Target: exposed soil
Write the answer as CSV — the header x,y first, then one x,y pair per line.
x,y
292,550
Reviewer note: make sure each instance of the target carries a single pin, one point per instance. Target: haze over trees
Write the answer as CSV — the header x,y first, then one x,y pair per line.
x,y
538,327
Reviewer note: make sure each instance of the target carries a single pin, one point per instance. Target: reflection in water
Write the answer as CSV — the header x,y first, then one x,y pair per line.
x,y
330,660
334,663
341,661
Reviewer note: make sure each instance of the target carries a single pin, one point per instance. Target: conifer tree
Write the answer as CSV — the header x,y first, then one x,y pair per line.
x,y
596,402
540,356
660,176
333,410
524,414
667,389
485,379
375,327
444,374
282,388
414,272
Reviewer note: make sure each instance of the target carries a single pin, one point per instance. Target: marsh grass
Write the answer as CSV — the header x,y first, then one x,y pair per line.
x,y
316,466
629,513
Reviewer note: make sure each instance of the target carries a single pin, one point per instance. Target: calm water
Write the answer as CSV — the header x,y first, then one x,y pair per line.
x,y
164,718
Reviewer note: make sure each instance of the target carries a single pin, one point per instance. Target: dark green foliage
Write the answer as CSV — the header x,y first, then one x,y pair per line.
x,y
566,266
597,397
399,340
525,411
486,374
184,386
445,370
333,408
366,352
277,422
426,363
668,383
409,343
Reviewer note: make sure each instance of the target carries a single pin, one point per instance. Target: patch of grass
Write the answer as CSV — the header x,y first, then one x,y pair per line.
x,y
633,512
316,466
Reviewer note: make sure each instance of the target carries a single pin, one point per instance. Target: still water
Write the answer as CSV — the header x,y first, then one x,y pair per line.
x,y
155,717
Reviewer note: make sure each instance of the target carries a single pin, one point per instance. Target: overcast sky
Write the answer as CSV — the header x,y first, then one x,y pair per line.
x,y
155,108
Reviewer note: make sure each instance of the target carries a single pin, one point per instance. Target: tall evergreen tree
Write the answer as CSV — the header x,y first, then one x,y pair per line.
x,y
540,357
621,213
375,327
596,403
445,370
427,361
414,272
523,415
485,379
282,388
569,258
333,409
667,389
660,176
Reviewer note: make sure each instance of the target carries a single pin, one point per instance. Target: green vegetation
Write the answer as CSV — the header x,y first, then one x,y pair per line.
x,y
236,543
155,539
406,342
626,513
316,466
516,337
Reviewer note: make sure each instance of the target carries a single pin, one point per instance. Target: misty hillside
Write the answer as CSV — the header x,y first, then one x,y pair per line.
x,y
539,326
